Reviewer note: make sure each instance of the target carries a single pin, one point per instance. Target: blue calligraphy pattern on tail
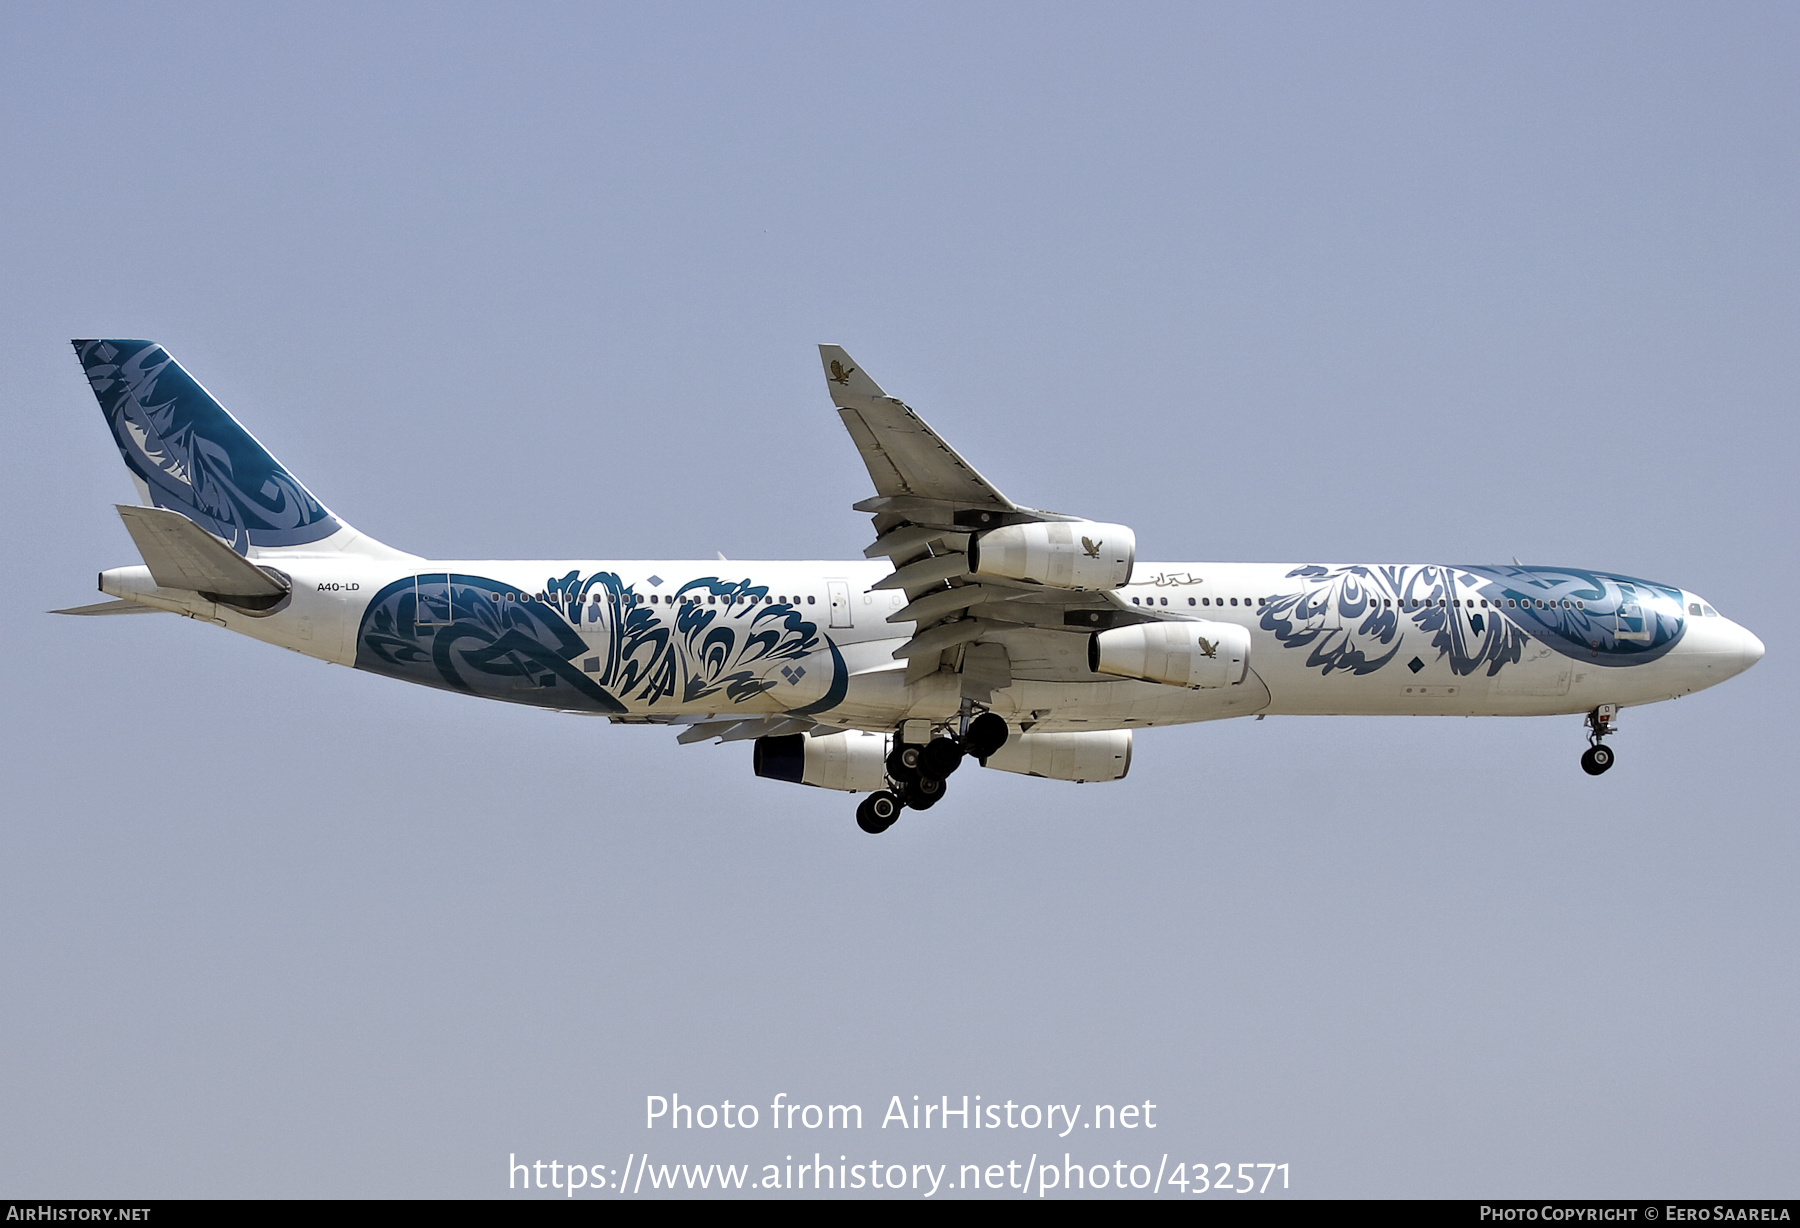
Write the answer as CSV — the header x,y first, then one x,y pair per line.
x,y
192,455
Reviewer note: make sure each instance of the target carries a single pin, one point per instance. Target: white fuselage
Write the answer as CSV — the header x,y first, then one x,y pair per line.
x,y
675,640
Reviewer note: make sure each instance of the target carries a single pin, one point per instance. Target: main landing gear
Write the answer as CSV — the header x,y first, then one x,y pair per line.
x,y
916,773
1600,722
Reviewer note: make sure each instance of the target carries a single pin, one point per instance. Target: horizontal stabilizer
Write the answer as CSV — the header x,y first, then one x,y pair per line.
x,y
110,607
182,555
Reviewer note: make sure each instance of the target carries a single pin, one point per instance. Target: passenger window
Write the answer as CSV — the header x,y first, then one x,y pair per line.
x,y
1190,601
1234,601
1165,601
1206,601
810,600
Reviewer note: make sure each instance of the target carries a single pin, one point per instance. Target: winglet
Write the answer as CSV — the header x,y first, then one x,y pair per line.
x,y
848,383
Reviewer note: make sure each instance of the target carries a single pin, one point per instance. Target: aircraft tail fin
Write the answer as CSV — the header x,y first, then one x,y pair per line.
x,y
188,455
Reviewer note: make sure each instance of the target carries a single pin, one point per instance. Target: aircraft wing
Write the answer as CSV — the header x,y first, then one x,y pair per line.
x,y
906,459
929,501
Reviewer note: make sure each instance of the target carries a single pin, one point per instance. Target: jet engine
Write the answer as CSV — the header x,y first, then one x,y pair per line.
x,y
1190,654
1082,554
855,762
1084,756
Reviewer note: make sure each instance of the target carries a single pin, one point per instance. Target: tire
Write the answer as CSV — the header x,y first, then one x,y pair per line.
x,y
942,757
987,734
903,763
877,812
924,793
1596,759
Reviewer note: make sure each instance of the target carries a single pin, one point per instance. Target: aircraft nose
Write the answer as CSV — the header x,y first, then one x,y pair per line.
x,y
1752,647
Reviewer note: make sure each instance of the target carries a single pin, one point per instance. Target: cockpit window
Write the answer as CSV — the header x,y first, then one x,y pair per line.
x,y
1710,612
1694,607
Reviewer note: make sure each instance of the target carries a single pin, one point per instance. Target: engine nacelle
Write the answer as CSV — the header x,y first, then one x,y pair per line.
x,y
1082,555
1081,757
855,762
1189,654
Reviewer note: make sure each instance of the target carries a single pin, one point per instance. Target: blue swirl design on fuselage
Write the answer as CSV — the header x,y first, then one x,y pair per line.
x,y
194,456
1592,616
1360,619
484,637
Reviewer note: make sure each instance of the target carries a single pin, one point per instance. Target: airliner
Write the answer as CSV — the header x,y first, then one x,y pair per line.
x,y
971,628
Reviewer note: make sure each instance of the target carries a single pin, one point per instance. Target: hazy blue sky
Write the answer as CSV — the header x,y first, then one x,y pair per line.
x,y
1293,282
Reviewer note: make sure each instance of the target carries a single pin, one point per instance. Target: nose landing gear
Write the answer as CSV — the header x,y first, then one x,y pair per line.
x,y
916,773
1600,722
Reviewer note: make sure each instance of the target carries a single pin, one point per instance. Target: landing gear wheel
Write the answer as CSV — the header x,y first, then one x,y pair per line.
x,y
903,762
924,793
877,812
942,756
1596,759
987,733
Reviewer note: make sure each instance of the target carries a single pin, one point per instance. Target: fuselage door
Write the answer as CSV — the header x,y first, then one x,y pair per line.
x,y
1322,609
1632,621
431,600
838,592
